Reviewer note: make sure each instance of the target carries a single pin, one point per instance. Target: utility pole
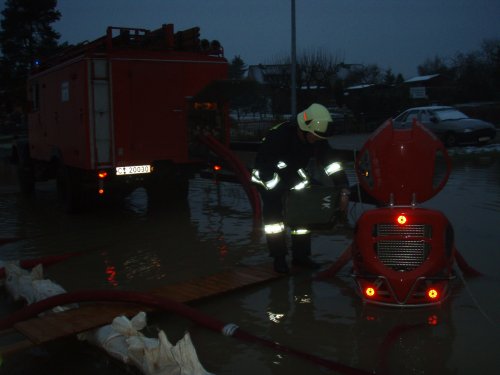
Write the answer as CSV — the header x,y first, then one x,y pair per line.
x,y
293,73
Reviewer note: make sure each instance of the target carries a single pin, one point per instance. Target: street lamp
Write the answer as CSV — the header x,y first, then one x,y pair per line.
x,y
293,78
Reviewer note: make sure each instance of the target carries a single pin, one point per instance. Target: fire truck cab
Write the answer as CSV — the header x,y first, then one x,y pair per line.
x,y
120,112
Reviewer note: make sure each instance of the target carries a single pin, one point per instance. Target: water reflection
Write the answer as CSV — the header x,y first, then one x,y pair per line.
x,y
137,247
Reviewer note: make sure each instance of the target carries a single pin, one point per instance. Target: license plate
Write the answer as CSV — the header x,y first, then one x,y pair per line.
x,y
482,139
133,169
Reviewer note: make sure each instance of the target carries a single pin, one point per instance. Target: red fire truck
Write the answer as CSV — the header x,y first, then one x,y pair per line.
x,y
123,111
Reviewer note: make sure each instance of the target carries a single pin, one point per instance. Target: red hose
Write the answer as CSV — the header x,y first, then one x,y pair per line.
x,y
241,173
342,260
464,266
166,304
346,256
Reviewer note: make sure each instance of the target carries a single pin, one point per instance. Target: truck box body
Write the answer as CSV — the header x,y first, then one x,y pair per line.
x,y
125,100
119,107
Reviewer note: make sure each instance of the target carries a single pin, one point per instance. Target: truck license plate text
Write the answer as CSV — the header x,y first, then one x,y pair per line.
x,y
134,169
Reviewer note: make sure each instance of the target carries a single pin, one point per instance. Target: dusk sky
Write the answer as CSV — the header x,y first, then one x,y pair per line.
x,y
397,34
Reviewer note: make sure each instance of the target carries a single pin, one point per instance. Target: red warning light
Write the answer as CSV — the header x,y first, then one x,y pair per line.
x,y
401,219
432,293
101,191
217,167
370,292
102,174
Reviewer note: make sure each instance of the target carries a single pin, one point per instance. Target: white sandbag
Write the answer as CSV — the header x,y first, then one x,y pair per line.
x,y
152,356
112,337
19,282
111,341
185,354
31,287
146,354
160,357
126,327
43,289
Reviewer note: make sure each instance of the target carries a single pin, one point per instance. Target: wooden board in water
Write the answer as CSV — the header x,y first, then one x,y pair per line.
x,y
51,327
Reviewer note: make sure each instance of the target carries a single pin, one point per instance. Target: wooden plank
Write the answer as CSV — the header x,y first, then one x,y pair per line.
x,y
53,326
42,329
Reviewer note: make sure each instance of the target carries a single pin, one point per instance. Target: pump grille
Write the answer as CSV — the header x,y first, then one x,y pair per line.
x,y
410,230
402,254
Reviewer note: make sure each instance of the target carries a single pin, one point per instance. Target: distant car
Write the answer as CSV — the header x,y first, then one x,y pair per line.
x,y
449,124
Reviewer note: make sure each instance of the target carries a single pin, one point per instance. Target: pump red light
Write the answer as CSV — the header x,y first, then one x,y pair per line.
x,y
217,167
432,293
401,219
102,174
370,292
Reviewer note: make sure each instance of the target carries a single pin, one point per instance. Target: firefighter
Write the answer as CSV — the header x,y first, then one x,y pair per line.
x,y
280,165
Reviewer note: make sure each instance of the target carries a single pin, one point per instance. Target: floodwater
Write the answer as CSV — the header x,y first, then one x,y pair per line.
x,y
134,248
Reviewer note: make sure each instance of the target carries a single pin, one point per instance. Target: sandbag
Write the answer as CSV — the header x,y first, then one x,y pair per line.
x,y
30,286
152,356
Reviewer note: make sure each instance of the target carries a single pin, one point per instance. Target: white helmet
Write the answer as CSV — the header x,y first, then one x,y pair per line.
x,y
317,120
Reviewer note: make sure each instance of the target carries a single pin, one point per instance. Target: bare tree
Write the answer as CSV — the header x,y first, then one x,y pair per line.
x,y
436,65
318,69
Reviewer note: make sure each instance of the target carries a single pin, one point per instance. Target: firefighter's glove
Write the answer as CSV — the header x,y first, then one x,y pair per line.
x,y
305,180
268,185
344,200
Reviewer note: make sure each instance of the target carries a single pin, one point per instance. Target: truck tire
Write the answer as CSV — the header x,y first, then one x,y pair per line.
x,y
69,189
20,156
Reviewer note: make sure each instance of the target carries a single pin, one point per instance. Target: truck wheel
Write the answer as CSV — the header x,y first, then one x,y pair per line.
x,y
69,190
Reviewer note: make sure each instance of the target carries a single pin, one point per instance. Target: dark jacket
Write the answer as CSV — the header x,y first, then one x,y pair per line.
x,y
282,143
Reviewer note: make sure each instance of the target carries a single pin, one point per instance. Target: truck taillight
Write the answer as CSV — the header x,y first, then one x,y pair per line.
x,y
101,176
208,106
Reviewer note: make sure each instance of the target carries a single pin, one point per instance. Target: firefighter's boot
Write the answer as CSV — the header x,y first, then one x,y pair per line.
x,y
276,244
301,251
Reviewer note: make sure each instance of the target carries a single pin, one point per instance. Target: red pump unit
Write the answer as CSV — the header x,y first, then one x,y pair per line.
x,y
402,254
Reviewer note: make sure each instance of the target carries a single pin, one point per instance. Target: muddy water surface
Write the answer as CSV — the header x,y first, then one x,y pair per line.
x,y
134,248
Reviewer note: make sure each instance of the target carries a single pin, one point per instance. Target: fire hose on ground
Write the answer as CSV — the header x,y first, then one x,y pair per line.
x,y
345,257
166,304
240,170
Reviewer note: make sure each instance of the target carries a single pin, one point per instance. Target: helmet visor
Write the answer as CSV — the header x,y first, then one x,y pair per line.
x,y
329,131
